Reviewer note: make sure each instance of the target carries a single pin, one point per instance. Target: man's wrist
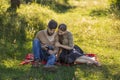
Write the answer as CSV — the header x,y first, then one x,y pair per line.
x,y
60,45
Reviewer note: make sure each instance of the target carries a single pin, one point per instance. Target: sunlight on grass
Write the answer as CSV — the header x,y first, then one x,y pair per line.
x,y
9,63
3,5
26,45
37,11
79,72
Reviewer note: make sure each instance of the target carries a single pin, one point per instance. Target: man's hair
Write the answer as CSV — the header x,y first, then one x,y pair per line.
x,y
52,24
62,27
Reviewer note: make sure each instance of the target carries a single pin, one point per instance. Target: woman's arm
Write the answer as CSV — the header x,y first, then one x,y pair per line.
x,y
63,46
70,44
66,47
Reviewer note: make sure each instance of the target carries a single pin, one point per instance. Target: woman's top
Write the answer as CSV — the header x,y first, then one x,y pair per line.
x,y
69,56
66,39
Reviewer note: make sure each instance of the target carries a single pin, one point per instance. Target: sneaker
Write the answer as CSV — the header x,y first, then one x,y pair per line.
x,y
36,63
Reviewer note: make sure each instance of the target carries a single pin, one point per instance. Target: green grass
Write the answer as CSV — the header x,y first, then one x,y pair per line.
x,y
94,28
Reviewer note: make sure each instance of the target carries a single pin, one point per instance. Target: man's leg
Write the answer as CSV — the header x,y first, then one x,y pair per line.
x,y
51,60
37,50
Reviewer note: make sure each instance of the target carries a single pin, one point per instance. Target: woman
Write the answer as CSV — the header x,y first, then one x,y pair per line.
x,y
65,43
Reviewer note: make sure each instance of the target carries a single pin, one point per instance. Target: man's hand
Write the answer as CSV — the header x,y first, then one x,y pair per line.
x,y
45,47
50,51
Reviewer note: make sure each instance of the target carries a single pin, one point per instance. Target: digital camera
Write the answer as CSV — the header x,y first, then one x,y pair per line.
x,y
49,47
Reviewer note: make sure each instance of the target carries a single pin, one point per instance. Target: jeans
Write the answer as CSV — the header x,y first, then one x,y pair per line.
x,y
40,54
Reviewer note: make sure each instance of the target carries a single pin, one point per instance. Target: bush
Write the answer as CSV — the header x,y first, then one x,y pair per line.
x,y
115,4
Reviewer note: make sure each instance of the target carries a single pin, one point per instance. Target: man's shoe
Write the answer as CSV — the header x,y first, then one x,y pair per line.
x,y
50,67
36,63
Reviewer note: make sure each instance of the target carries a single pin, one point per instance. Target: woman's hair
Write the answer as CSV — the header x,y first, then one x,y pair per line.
x,y
62,27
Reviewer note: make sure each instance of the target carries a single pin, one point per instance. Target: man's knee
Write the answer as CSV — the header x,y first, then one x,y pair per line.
x,y
53,56
36,41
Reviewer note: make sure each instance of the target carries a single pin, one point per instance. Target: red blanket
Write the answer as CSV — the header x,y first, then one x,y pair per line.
x,y
29,59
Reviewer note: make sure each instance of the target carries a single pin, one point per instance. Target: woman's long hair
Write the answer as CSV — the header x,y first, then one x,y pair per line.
x,y
62,27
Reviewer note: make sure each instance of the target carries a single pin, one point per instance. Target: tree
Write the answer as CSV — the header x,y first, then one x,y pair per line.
x,y
15,4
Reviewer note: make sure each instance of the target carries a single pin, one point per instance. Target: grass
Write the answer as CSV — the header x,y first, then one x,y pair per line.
x,y
94,29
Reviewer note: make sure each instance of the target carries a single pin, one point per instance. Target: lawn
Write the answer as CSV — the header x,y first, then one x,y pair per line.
x,y
95,29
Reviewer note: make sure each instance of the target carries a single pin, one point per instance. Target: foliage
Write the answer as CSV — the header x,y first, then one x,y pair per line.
x,y
115,7
15,23
58,6
3,6
115,4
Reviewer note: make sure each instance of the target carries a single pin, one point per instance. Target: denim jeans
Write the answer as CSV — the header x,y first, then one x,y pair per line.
x,y
40,54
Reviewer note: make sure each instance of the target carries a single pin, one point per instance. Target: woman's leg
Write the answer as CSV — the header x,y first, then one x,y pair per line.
x,y
80,60
90,60
86,59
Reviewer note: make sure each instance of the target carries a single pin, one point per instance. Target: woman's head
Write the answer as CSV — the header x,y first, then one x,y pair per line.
x,y
62,29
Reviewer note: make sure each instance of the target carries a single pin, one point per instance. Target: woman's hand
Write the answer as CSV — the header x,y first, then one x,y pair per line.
x,y
50,51
57,44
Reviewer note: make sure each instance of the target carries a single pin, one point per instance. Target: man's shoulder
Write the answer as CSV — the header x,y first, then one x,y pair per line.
x,y
41,31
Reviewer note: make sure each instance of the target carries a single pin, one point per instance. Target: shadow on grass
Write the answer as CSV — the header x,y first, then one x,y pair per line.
x,y
13,51
12,27
99,12
57,6
11,73
115,8
100,73
13,35
62,73
117,75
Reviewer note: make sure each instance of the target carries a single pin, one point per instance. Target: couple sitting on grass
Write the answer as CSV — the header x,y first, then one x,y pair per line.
x,y
49,45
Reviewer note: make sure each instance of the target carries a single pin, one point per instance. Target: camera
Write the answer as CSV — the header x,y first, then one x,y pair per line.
x,y
49,47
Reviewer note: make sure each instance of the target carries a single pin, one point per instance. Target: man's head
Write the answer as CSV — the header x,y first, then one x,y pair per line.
x,y
52,25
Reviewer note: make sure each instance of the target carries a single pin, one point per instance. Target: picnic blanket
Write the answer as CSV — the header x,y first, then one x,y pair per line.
x,y
29,59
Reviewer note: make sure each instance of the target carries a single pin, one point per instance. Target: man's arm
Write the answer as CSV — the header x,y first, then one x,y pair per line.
x,y
44,46
52,51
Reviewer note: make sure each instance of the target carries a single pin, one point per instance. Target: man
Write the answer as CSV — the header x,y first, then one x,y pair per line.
x,y
43,45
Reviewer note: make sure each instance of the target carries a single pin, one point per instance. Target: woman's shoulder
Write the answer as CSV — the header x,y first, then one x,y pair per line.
x,y
69,33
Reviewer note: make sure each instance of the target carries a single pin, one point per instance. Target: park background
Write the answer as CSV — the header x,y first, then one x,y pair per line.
x,y
95,25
